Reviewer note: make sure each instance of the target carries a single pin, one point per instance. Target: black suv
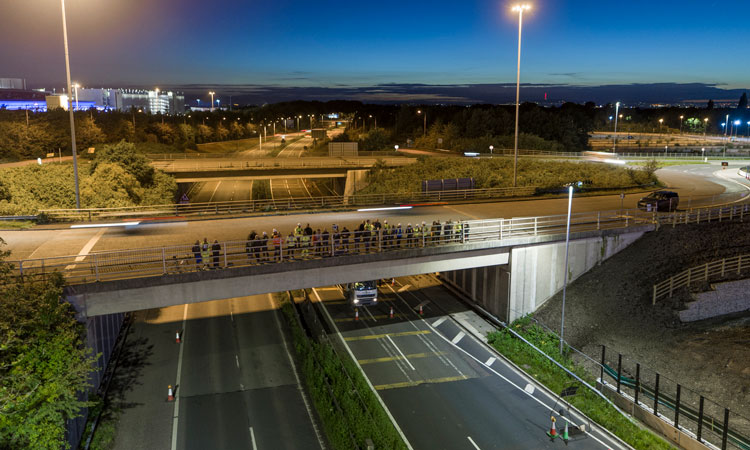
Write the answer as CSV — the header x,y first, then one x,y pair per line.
x,y
659,201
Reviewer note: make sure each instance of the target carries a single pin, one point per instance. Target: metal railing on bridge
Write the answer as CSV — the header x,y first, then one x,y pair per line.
x,y
157,261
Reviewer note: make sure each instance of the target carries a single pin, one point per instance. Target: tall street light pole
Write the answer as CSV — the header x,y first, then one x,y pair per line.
x,y
565,274
212,101
681,117
424,125
617,111
520,9
70,106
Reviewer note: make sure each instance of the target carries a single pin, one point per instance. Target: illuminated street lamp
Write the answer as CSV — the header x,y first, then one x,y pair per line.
x,y
660,122
748,128
565,273
492,147
212,101
617,111
705,126
737,124
395,147
70,106
520,8
681,117
424,126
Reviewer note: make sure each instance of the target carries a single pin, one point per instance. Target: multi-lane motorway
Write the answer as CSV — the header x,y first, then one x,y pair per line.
x,y
236,385
235,382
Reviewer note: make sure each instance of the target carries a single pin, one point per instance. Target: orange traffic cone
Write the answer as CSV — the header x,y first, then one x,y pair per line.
x,y
177,337
393,281
170,393
356,314
391,312
421,311
552,433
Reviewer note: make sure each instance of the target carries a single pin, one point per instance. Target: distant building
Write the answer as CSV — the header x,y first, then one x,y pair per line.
x,y
13,83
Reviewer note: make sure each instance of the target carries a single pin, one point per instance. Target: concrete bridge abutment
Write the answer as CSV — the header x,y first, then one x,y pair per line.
x,y
536,271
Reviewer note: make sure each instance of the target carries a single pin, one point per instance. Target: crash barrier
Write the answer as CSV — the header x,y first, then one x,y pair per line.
x,y
713,270
285,204
157,261
684,409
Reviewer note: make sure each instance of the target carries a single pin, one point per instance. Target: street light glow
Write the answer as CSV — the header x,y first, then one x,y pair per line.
x,y
521,7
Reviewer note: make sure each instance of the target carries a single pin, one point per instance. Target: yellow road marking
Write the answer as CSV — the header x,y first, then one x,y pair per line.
x,y
381,387
396,358
379,336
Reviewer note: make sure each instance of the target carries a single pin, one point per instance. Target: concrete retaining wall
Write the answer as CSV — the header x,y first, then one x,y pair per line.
x,y
536,273
355,180
726,298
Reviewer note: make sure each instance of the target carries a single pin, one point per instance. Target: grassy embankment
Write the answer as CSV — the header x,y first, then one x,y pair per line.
x,y
349,410
498,173
547,373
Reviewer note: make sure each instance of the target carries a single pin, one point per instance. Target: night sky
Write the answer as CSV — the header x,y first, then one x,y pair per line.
x,y
326,44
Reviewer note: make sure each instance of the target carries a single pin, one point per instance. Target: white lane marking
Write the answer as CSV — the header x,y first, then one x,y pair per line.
x,y
400,352
370,314
252,438
490,361
462,212
86,248
439,321
177,386
522,375
529,388
458,337
214,192
237,360
473,443
404,287
296,375
369,383
427,342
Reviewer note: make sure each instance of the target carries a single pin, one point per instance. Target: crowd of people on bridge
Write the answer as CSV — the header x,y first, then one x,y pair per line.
x,y
306,242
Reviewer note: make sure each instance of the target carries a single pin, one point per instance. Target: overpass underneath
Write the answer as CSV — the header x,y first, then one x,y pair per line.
x,y
510,277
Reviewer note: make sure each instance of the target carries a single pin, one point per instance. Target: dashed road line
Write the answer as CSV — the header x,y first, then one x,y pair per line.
x,y
473,443
458,337
405,359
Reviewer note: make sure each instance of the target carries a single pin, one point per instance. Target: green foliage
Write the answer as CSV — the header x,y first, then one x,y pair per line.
x,y
18,141
4,192
125,155
51,186
376,140
349,410
547,373
43,362
498,172
261,190
110,186
88,133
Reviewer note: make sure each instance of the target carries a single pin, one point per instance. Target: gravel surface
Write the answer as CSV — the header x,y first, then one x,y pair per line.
x,y
611,305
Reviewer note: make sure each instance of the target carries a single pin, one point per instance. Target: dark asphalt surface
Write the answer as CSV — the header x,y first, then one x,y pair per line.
x,y
237,388
441,397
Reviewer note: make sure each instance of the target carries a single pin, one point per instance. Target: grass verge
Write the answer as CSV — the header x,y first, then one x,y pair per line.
x,y
261,190
660,164
545,372
348,409
16,224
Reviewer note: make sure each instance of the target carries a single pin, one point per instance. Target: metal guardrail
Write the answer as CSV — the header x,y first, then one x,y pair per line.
x,y
711,270
162,260
241,155
157,261
690,412
286,204
274,163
